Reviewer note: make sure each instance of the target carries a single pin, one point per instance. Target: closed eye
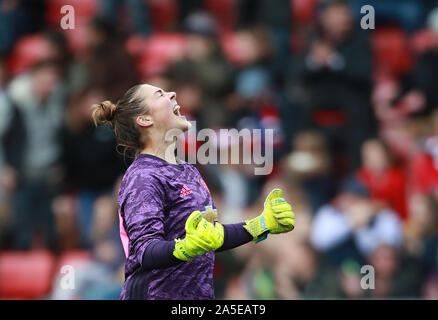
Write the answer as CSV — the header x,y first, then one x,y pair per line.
x,y
160,92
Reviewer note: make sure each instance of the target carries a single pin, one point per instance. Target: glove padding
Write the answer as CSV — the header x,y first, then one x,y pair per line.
x,y
201,237
277,217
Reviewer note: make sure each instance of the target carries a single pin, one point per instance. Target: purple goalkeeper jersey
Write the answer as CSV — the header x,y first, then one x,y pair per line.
x,y
155,200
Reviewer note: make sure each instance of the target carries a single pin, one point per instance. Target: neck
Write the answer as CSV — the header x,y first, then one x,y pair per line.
x,y
161,149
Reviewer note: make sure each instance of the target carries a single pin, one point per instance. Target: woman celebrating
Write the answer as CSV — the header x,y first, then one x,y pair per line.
x,y
168,242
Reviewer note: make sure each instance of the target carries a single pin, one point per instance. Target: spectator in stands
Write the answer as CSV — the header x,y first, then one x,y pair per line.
x,y
110,67
425,74
256,102
424,164
352,226
382,177
395,111
33,112
349,280
336,74
205,67
64,209
93,281
395,274
138,10
100,277
89,156
73,71
422,231
17,18
309,164
430,288
277,20
295,277
408,14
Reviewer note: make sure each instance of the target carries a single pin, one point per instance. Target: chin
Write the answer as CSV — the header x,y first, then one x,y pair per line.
x,y
184,125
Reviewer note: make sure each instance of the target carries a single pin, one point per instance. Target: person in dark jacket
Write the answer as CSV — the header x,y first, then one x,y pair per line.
x,y
32,114
336,75
89,158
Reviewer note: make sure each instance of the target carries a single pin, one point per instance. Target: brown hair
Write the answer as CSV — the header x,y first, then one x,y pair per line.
x,y
391,157
122,117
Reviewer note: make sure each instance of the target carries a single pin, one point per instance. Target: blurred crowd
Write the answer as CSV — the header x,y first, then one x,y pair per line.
x,y
355,139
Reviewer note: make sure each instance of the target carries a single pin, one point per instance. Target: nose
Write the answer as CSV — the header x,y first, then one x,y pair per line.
x,y
172,95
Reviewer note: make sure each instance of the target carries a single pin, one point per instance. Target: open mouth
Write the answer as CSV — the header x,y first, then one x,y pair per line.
x,y
176,109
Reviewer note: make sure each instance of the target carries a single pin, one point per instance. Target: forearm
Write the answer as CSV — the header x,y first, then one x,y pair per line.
x,y
234,236
159,255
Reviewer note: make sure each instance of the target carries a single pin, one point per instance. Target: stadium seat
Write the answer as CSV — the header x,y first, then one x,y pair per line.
x,y
84,10
77,40
329,118
153,54
163,14
303,11
391,51
134,45
73,257
224,13
25,275
27,51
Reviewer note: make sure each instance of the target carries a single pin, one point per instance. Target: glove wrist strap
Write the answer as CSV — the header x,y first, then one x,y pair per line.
x,y
180,252
257,228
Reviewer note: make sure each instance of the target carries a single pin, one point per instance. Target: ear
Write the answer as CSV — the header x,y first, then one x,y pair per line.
x,y
144,121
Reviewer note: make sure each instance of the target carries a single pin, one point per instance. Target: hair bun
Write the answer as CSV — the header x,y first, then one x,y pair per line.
x,y
103,112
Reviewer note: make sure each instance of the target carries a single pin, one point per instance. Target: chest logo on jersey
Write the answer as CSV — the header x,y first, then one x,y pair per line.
x,y
185,191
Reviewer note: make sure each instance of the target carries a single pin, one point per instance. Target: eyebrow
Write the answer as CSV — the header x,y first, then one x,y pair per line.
x,y
159,90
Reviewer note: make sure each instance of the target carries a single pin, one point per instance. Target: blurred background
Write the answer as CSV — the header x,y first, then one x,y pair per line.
x,y
355,139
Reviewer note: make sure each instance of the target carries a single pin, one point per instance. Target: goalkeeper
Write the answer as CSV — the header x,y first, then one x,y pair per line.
x,y
166,212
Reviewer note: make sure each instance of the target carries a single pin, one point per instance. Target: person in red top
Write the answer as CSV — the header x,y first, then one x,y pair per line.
x,y
424,165
424,172
386,181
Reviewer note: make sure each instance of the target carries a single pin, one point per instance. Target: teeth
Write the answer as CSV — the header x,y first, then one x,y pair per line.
x,y
176,109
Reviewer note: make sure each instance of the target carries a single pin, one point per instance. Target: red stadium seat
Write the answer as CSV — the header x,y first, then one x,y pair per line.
x,y
25,275
134,45
329,118
224,13
303,11
154,54
73,257
391,51
84,10
27,51
231,46
77,40
163,13
421,41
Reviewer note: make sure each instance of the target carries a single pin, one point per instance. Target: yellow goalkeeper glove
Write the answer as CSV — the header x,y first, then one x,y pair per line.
x,y
201,237
277,217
